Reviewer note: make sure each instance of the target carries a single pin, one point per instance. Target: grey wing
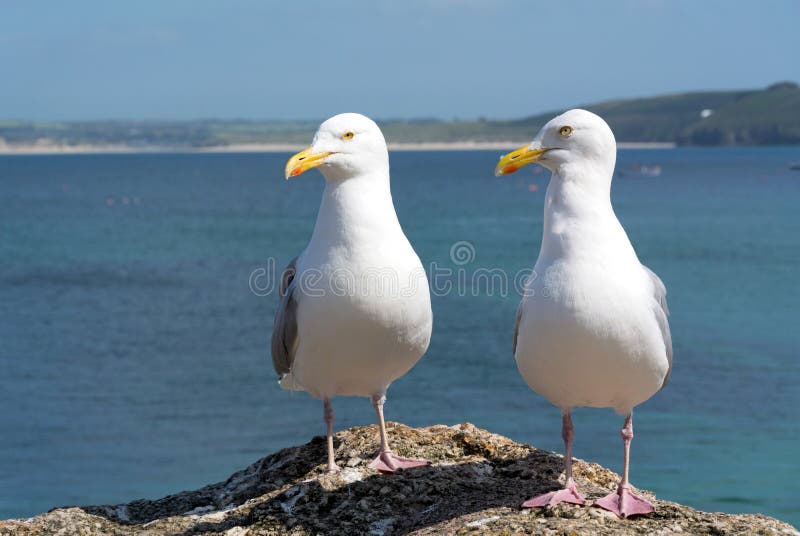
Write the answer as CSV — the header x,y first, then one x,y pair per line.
x,y
284,332
662,312
516,328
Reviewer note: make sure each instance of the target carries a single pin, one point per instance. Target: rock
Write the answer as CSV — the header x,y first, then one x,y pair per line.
x,y
475,486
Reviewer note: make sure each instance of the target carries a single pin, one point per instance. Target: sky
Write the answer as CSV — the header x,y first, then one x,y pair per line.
x,y
262,59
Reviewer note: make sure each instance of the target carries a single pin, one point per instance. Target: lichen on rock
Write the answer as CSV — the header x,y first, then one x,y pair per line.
x,y
475,486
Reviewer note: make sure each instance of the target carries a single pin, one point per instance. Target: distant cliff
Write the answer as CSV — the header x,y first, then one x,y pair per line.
x,y
475,486
747,117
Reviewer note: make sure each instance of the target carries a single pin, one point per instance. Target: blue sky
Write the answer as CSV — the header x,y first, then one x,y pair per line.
x,y
177,59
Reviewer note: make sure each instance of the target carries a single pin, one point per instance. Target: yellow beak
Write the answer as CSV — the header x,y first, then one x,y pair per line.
x,y
517,159
303,161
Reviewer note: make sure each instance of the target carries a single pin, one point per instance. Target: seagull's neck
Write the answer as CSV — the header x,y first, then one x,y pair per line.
x,y
578,216
358,210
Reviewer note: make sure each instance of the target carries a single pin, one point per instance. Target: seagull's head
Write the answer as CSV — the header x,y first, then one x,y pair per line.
x,y
574,137
346,145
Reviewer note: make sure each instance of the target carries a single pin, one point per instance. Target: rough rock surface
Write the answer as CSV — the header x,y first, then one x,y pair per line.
x,y
475,486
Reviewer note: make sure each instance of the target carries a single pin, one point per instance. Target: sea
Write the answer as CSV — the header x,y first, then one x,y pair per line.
x,y
136,312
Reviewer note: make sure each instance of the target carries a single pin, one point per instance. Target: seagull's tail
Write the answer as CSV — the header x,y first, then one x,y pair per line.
x,y
289,382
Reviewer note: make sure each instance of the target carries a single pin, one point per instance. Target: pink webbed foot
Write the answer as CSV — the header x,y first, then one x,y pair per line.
x,y
389,463
569,494
625,504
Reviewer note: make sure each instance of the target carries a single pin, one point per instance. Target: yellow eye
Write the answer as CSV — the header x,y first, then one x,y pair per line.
x,y
348,135
565,131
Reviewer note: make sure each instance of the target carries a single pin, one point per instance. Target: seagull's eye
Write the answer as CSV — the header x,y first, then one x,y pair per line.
x,y
565,131
349,135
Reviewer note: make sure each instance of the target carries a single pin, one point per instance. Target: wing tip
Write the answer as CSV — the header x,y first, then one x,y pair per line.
x,y
289,382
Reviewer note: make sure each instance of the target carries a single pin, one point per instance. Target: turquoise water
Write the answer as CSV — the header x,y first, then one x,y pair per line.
x,y
134,357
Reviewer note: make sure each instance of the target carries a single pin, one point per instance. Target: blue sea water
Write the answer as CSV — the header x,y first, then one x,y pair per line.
x,y
134,356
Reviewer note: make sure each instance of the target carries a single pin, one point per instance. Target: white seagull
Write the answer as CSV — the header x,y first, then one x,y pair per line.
x,y
592,327
355,311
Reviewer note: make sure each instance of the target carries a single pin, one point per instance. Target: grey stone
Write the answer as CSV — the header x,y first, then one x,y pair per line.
x,y
475,486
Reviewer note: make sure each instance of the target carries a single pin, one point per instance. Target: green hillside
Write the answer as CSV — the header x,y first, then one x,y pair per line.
x,y
655,118
754,117
759,117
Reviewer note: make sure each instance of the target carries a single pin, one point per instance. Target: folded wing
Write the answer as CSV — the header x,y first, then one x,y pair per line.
x,y
661,311
284,332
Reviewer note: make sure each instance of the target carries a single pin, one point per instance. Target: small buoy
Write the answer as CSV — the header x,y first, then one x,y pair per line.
x,y
533,187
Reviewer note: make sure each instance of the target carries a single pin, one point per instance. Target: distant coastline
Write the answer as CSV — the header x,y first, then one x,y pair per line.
x,y
63,149
769,116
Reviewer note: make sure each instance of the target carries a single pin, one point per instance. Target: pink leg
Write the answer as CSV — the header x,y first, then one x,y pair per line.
x,y
328,414
623,502
387,461
570,492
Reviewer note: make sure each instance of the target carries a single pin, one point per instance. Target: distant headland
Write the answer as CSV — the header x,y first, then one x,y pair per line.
x,y
768,116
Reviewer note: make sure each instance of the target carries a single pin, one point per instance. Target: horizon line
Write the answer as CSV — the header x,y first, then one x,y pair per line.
x,y
455,119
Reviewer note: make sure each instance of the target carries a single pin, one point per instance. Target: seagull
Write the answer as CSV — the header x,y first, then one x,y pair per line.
x,y
355,311
592,329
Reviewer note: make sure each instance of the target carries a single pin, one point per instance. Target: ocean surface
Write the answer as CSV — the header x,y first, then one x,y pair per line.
x,y
134,355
